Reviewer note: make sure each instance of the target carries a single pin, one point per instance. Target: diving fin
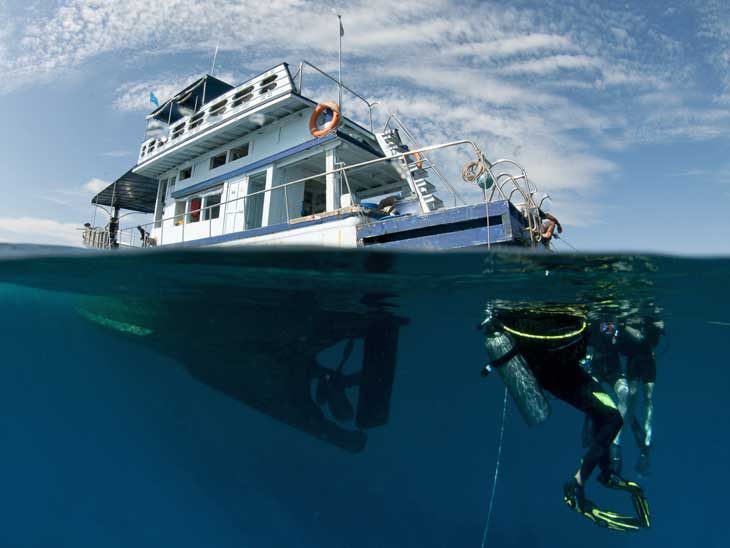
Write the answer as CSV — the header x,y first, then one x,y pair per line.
x,y
574,497
641,505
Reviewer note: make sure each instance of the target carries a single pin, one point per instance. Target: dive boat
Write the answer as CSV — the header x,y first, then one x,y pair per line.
x,y
261,163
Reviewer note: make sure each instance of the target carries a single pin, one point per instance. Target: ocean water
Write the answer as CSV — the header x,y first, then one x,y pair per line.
x,y
176,398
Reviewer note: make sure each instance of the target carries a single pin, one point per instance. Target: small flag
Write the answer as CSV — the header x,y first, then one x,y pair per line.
x,y
342,29
153,99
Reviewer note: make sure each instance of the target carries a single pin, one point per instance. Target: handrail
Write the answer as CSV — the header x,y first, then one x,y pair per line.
x,y
455,194
300,72
343,169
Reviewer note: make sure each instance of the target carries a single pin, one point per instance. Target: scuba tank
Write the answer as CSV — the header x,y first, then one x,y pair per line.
x,y
515,373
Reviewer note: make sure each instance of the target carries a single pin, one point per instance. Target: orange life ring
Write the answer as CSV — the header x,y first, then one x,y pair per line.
x,y
329,126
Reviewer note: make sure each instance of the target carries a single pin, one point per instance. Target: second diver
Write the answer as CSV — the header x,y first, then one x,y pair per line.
x,y
542,350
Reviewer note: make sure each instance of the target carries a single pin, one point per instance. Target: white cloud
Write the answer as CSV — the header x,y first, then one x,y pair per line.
x,y
508,47
551,64
121,153
33,230
95,185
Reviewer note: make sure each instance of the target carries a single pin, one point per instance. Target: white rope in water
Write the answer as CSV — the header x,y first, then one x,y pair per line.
x,y
496,470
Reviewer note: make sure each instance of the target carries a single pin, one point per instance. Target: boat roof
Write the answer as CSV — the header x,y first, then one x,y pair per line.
x,y
190,99
131,191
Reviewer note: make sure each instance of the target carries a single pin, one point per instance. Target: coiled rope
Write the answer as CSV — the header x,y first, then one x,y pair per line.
x,y
472,170
496,470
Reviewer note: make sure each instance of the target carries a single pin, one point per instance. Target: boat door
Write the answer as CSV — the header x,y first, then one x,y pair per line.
x,y
234,209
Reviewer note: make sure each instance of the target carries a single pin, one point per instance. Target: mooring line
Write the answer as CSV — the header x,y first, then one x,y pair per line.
x,y
496,470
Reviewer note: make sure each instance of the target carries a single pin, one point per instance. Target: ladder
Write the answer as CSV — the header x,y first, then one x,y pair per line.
x,y
417,177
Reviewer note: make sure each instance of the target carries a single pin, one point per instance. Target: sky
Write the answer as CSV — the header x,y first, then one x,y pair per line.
x,y
620,111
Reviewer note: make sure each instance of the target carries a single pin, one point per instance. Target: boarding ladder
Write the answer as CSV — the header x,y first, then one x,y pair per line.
x,y
412,171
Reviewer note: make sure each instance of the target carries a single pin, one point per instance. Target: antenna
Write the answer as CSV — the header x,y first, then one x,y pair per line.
x,y
215,56
339,52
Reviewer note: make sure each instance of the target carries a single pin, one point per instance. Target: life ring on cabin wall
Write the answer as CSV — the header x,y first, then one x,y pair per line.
x,y
329,126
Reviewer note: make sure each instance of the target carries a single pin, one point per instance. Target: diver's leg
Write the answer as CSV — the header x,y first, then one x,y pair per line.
x,y
649,410
574,386
632,411
621,388
643,466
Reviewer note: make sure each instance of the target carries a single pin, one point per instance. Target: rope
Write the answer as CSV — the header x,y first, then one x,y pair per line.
x,y
496,470
472,170
565,242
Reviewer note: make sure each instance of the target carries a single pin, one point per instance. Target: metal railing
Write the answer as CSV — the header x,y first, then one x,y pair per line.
x,y
414,142
128,236
300,74
226,106
96,237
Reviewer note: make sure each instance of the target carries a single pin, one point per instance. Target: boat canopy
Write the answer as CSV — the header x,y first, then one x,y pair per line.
x,y
189,100
131,191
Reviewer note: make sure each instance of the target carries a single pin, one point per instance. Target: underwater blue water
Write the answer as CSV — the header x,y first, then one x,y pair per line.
x,y
110,438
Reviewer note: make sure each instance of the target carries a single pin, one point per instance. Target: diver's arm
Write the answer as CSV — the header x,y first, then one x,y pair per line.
x,y
553,219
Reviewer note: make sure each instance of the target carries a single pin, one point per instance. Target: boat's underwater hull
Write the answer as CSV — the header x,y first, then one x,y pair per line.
x,y
250,353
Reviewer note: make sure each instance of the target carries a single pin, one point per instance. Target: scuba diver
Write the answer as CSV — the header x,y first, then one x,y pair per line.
x,y
641,336
603,362
534,350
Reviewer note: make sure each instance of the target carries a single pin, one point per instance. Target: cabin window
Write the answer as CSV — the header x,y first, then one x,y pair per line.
x,y
185,173
179,213
212,208
218,160
315,197
238,152
194,211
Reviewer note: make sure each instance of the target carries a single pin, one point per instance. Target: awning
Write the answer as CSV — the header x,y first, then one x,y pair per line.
x,y
190,99
131,191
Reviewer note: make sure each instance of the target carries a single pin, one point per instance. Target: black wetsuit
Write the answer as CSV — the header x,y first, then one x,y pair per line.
x,y
640,361
556,365
606,363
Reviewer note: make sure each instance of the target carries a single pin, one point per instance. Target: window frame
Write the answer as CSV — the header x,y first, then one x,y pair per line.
x,y
208,209
248,151
221,155
180,173
193,215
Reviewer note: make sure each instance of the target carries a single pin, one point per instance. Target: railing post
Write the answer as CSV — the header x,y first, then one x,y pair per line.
x,y
286,203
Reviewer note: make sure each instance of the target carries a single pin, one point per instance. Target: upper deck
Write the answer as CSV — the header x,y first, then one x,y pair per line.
x,y
196,120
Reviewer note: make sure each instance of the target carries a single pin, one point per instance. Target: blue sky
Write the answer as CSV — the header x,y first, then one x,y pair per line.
x,y
620,111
